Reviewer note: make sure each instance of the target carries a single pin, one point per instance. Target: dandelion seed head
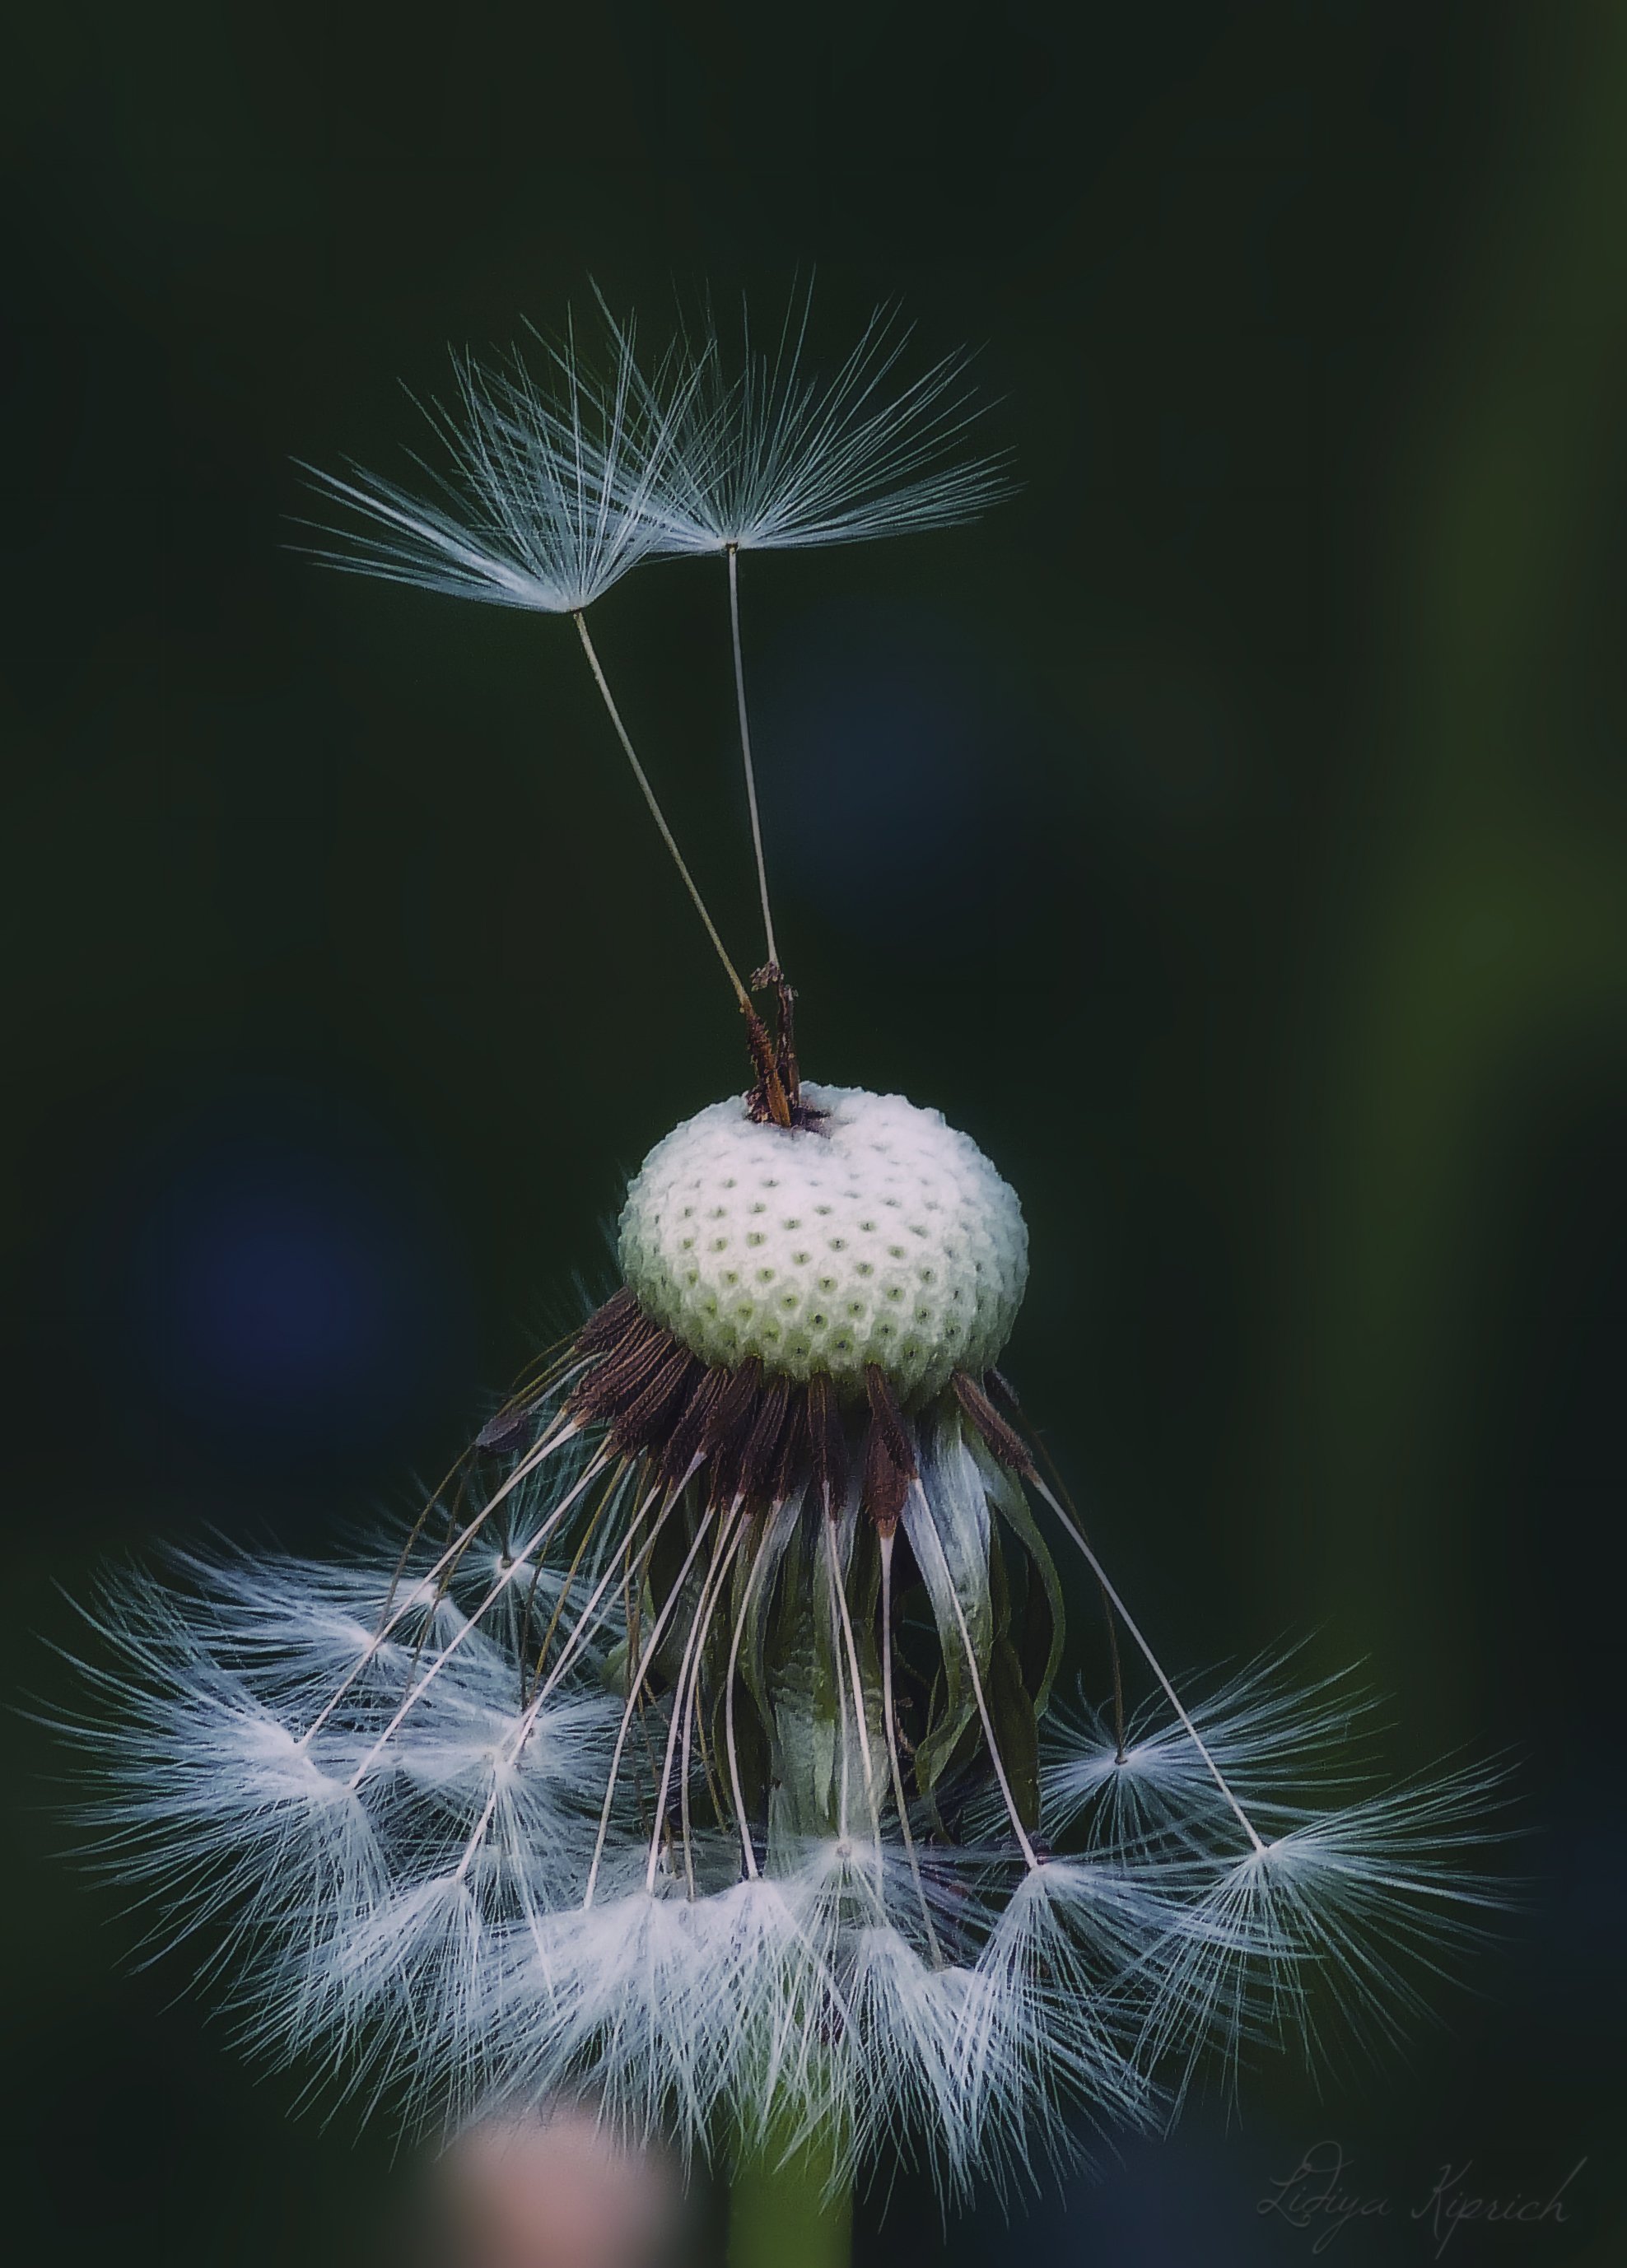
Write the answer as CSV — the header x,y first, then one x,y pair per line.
x,y
697,1743
879,1234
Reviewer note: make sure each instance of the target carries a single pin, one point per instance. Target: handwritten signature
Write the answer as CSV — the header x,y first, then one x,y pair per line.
x,y
1319,2196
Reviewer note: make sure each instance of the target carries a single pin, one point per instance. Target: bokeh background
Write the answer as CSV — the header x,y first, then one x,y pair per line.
x,y
1231,833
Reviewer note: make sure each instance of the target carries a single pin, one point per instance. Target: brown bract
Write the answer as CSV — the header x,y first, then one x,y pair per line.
x,y
758,1435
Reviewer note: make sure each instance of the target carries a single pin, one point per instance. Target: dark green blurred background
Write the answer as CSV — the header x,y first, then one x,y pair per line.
x,y
1231,833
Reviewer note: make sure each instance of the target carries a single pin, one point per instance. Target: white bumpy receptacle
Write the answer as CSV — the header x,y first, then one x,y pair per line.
x,y
880,1235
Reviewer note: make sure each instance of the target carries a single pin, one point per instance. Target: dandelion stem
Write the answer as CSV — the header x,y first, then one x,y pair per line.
x,y
787,2209
659,816
732,552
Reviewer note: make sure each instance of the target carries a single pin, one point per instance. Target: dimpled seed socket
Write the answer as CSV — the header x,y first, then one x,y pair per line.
x,y
880,1235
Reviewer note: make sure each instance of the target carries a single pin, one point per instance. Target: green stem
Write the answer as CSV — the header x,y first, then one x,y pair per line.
x,y
784,2212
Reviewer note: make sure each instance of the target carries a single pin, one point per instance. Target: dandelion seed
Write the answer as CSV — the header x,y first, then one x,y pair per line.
x,y
537,500
540,505
763,453
766,453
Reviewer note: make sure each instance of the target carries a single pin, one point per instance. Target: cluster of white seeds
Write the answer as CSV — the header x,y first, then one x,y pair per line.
x,y
880,1236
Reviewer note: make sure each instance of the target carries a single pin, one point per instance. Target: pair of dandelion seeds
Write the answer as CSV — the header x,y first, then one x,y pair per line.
x,y
700,1748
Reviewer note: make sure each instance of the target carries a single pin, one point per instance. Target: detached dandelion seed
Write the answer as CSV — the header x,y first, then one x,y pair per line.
x,y
698,1748
537,502
541,503
765,453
